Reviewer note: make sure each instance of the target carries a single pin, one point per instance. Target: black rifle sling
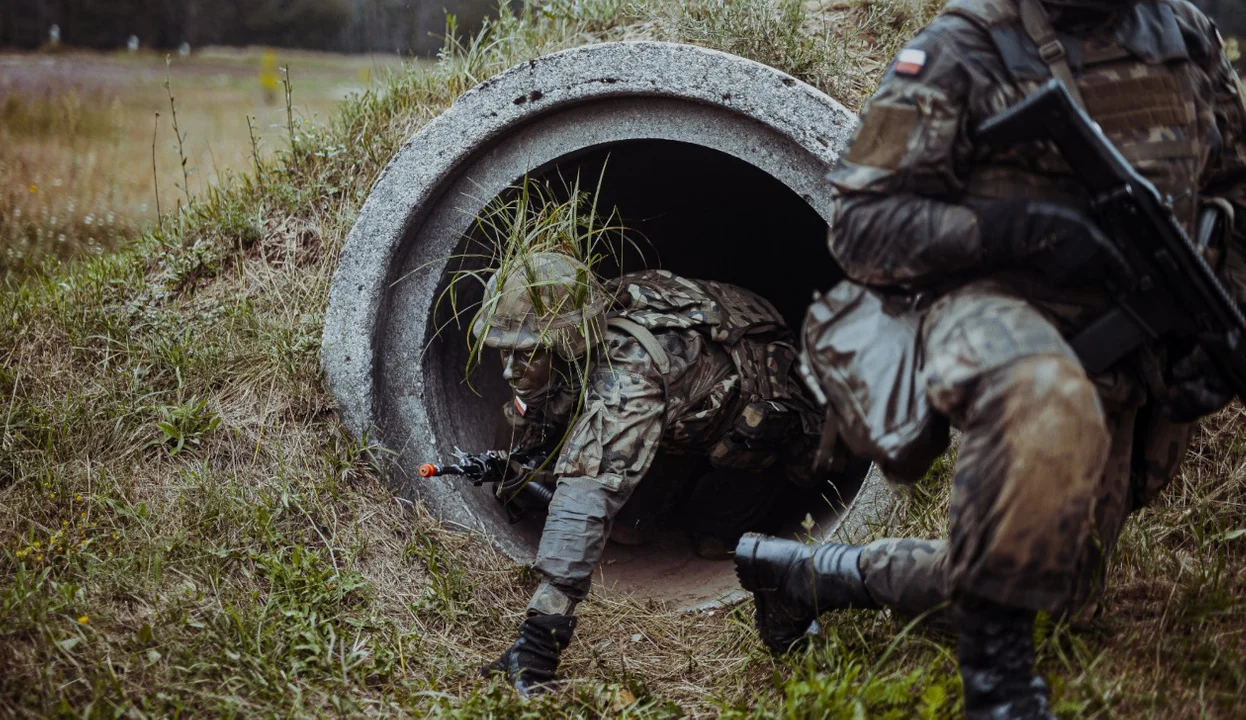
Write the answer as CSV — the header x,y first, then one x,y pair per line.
x,y
1038,26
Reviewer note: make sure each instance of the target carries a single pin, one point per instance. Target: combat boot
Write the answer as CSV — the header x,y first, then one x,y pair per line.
x,y
532,660
995,649
792,583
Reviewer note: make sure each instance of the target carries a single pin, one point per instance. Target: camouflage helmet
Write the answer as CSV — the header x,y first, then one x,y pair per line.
x,y
546,300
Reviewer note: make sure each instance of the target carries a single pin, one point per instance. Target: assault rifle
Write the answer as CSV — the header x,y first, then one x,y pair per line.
x,y
1173,292
514,470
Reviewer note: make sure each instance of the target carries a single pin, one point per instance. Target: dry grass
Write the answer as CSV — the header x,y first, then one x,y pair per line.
x,y
210,543
77,132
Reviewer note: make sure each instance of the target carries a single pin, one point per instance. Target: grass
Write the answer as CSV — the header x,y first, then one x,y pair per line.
x,y
76,136
186,531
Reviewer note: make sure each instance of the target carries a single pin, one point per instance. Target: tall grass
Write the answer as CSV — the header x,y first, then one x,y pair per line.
x,y
185,531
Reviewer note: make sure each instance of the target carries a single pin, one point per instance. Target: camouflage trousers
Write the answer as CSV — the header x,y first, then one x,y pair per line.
x,y
1050,465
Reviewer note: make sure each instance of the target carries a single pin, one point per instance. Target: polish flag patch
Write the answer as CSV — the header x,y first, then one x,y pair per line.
x,y
910,62
521,406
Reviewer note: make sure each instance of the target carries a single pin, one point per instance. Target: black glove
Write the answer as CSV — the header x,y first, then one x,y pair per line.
x,y
1191,386
533,659
1061,242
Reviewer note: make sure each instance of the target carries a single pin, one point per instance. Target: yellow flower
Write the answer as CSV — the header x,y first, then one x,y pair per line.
x,y
36,543
38,558
33,188
64,523
78,497
84,619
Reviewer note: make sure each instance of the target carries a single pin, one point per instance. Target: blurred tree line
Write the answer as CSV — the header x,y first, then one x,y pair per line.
x,y
403,26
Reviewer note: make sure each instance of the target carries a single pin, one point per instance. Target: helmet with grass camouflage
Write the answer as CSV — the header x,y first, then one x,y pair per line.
x,y
544,300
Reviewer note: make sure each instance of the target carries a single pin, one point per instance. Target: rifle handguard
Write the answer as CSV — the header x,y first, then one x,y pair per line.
x,y
1173,292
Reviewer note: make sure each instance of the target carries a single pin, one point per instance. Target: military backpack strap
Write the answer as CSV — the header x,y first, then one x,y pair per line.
x,y
1038,26
646,340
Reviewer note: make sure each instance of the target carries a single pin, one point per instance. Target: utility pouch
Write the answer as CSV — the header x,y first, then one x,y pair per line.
x,y
864,351
757,438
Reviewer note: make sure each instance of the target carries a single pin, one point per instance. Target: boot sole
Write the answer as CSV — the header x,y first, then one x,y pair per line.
x,y
745,556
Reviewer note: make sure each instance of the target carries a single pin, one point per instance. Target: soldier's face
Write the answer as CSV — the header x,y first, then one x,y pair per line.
x,y
527,371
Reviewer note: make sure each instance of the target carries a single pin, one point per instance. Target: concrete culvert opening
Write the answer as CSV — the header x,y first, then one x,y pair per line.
x,y
723,185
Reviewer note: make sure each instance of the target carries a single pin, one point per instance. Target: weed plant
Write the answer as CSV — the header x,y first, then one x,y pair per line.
x,y
185,530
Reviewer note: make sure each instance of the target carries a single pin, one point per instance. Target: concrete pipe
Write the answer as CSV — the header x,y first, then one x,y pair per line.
x,y
719,161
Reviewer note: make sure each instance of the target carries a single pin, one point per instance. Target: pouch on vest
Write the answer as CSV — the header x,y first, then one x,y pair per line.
x,y
757,437
864,351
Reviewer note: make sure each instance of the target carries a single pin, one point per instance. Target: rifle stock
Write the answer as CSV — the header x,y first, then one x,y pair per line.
x,y
1173,292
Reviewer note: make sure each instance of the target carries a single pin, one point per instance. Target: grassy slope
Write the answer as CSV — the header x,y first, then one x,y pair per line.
x,y
185,530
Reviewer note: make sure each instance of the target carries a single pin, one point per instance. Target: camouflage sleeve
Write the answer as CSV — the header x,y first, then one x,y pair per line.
x,y
610,448
1224,175
897,221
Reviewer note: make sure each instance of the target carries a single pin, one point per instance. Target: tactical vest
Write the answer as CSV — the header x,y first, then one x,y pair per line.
x,y
774,420
726,314
1137,82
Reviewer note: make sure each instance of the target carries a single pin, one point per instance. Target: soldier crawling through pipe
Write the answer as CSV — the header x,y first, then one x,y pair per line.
x,y
987,267
604,376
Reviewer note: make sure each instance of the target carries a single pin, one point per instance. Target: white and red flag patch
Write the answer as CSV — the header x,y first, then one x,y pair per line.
x,y
910,62
521,406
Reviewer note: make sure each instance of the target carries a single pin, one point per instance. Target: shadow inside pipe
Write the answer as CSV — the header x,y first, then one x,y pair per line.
x,y
702,214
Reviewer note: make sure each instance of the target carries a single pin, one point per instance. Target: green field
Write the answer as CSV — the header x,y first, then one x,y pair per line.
x,y
186,531
78,130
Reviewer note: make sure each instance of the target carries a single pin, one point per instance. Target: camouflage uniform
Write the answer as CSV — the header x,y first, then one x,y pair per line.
x,y
1051,461
723,391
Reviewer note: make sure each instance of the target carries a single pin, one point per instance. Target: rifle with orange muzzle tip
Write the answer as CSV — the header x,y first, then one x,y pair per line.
x,y
513,471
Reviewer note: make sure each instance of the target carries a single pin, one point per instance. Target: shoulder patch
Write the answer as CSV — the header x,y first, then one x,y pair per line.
x,y
910,62
882,138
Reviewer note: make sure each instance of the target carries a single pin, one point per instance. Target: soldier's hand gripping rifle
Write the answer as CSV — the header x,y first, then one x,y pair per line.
x,y
513,470
1173,292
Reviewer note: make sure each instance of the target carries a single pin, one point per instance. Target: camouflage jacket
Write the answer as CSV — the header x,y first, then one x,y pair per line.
x,y
1156,79
723,350
718,341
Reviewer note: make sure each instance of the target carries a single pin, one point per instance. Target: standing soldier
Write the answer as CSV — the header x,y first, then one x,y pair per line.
x,y
1002,263
606,376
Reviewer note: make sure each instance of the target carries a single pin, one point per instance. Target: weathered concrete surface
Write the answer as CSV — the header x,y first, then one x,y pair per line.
x,y
391,374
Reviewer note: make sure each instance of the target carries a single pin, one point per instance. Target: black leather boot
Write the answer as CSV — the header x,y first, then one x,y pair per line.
x,y
995,649
533,659
792,583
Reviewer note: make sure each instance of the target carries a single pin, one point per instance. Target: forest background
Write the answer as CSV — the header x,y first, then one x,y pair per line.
x,y
392,26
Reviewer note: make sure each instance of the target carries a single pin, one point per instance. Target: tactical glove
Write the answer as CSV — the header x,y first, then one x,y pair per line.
x,y
533,659
1062,243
